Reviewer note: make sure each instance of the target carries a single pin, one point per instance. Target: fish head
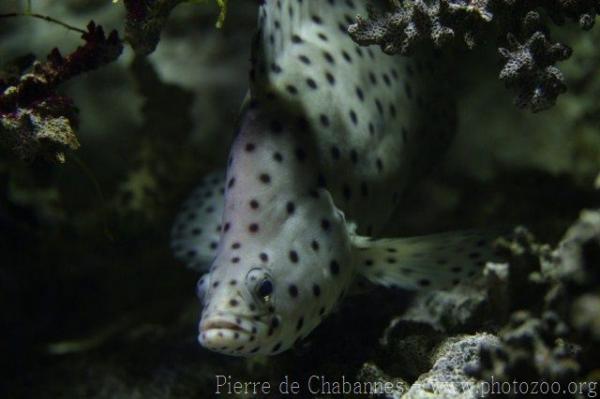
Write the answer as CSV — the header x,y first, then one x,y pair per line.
x,y
237,314
283,260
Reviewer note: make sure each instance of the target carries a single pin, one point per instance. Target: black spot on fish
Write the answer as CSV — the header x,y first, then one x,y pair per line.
x,y
276,68
291,89
379,106
328,57
304,59
353,117
330,78
335,153
373,78
314,245
407,90
290,207
276,347
359,93
316,290
386,79
346,56
265,178
334,267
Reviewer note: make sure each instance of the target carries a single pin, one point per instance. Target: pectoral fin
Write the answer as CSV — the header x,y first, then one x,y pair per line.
x,y
437,261
196,231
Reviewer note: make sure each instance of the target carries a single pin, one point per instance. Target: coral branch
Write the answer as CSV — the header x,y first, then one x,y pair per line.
x,y
146,19
144,22
530,71
34,118
416,21
530,55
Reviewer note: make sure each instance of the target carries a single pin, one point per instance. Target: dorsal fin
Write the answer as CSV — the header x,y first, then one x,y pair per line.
x,y
435,261
196,231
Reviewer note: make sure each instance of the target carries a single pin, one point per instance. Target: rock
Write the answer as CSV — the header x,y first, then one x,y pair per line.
x,y
467,305
447,378
385,387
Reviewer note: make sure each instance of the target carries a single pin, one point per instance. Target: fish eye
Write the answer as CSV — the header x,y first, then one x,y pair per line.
x,y
265,288
201,288
260,284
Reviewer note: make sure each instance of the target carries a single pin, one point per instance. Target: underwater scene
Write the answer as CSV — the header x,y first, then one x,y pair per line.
x,y
299,198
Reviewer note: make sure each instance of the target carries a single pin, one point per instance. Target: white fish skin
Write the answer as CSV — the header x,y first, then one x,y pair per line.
x,y
332,131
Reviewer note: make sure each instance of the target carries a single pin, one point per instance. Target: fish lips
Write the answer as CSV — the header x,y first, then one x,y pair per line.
x,y
224,334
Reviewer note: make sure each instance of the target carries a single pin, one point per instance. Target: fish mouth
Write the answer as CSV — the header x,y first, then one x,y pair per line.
x,y
229,335
221,325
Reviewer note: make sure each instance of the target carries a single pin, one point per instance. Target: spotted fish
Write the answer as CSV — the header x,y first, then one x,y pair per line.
x,y
328,140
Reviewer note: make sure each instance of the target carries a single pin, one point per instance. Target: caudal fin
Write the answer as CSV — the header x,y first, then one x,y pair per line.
x,y
197,227
437,261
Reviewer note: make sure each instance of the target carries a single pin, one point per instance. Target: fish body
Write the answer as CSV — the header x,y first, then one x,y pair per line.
x,y
330,138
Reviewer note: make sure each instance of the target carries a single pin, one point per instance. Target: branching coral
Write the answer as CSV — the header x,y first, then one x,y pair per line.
x,y
557,340
34,118
146,19
144,22
531,349
530,70
403,29
530,54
